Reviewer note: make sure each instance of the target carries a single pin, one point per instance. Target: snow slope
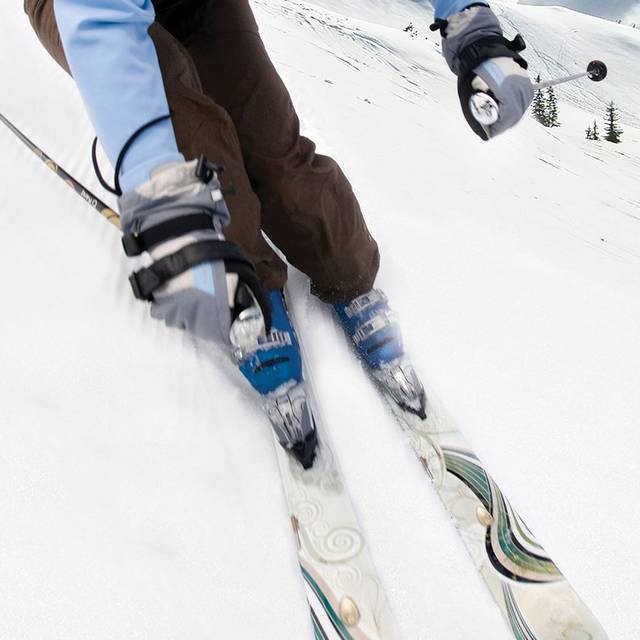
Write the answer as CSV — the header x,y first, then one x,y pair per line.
x,y
140,494
612,9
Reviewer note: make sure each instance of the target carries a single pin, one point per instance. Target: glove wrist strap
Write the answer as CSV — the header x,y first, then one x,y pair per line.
x,y
136,243
145,281
483,49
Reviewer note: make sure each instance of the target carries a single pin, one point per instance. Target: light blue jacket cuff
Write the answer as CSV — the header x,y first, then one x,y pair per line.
x,y
446,8
133,177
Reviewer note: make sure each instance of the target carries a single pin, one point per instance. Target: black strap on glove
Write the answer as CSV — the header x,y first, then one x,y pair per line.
x,y
145,281
136,243
491,47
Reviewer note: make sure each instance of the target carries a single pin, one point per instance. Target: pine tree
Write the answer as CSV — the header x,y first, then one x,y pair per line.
x,y
589,133
539,111
611,127
596,133
552,108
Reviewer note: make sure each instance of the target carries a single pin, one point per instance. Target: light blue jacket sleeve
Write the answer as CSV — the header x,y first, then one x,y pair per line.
x,y
446,8
114,63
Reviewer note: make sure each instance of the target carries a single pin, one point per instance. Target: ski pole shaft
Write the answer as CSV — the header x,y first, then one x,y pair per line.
x,y
78,187
557,81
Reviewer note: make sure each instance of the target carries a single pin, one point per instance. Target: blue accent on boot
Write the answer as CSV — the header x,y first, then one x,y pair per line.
x,y
277,360
384,344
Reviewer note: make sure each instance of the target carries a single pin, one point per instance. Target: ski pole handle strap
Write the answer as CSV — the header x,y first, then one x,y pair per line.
x,y
145,281
136,243
483,49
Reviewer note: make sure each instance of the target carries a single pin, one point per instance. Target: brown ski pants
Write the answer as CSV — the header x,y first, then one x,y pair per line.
x,y
230,104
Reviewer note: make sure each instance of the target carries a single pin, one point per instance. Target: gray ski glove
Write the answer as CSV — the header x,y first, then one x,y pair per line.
x,y
197,281
486,64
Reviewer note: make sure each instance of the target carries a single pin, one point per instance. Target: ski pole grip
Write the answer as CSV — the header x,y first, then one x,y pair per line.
x,y
484,108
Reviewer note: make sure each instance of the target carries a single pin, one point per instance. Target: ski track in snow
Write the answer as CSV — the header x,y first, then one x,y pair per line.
x,y
140,492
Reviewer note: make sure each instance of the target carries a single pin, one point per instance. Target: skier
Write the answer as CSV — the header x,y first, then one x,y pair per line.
x,y
170,83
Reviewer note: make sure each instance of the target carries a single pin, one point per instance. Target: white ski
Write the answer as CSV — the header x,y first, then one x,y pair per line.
x,y
536,600
344,592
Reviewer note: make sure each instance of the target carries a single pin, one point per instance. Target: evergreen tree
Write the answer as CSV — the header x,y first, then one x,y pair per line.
x,y
595,133
589,133
611,127
552,108
539,110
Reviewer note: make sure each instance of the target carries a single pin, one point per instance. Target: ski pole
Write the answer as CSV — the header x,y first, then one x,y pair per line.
x,y
486,110
552,83
247,326
79,188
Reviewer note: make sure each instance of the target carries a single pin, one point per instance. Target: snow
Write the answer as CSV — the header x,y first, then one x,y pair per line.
x,y
140,494
612,9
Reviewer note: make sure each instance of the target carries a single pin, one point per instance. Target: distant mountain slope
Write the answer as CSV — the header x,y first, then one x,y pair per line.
x,y
610,9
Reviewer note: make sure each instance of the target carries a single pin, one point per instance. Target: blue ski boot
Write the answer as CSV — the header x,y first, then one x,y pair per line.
x,y
375,335
274,370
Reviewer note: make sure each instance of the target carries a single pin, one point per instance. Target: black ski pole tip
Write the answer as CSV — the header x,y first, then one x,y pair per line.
x,y
597,70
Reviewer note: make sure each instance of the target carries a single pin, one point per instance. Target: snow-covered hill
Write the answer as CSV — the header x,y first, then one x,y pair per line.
x,y
625,10
140,495
561,42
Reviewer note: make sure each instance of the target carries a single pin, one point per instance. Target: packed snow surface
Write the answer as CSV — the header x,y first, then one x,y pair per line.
x,y
140,494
